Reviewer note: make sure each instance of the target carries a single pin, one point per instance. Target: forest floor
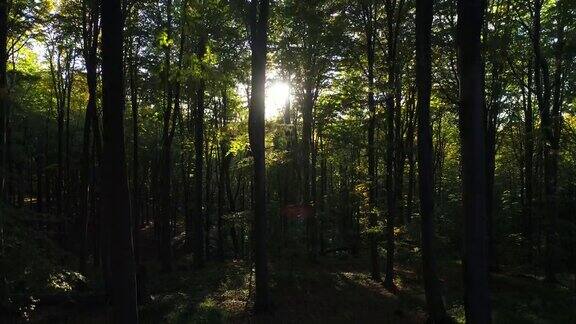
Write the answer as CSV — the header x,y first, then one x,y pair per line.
x,y
328,291
332,289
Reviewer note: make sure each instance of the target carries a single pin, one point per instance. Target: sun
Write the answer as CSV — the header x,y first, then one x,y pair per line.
x,y
277,96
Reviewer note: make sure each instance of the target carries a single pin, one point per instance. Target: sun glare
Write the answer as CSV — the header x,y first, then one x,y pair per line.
x,y
277,95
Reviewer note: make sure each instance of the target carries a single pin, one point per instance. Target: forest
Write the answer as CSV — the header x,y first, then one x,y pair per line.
x,y
288,161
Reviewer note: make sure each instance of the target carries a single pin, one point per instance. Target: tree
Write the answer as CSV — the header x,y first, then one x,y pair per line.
x,y
199,246
90,33
394,156
548,96
258,25
168,127
473,153
434,301
3,92
115,193
369,11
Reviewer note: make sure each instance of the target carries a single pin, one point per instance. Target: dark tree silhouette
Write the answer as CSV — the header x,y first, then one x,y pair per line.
x,y
258,20
115,193
368,11
199,248
473,151
434,301
3,92
90,33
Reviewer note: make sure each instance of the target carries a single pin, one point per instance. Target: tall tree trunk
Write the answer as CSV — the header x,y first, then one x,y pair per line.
x,y
225,159
207,197
199,165
258,18
91,31
39,177
548,120
492,109
556,129
134,105
115,193
411,163
368,11
60,168
3,93
528,160
166,156
307,147
400,154
231,203
3,118
323,196
473,151
434,301
392,14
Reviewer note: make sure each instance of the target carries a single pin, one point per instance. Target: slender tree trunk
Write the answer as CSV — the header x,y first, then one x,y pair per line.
x,y
67,175
115,193
490,174
554,152
39,178
60,168
400,154
391,195
434,301
492,109
313,199
199,165
323,196
207,197
307,147
258,17
225,159
3,124
477,294
372,181
166,156
411,171
136,191
231,203
3,93
547,119
91,31
528,160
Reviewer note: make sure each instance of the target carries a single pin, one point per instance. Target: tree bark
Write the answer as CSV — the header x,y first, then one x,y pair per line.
x,y
528,160
3,118
91,30
434,301
199,165
258,19
166,155
3,93
492,109
115,193
391,195
370,32
134,105
225,160
411,163
473,152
